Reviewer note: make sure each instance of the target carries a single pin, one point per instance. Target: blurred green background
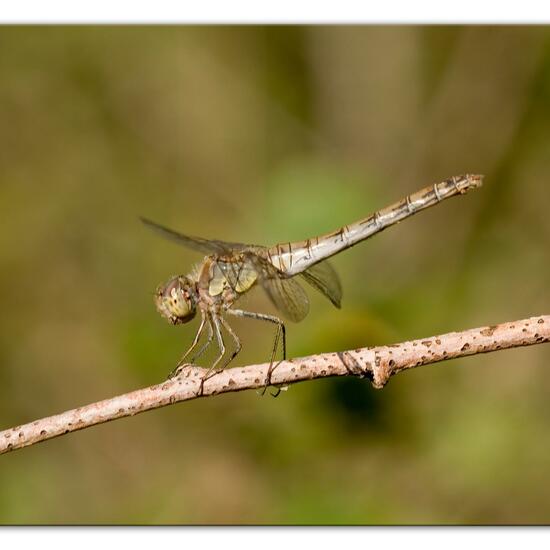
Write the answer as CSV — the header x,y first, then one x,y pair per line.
x,y
264,134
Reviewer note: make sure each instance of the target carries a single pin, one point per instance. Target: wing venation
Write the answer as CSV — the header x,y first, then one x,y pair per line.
x,y
206,246
324,278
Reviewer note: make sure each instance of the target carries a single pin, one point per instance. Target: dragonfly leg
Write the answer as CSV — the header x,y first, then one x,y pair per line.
x,y
182,362
238,346
280,334
221,345
206,344
236,339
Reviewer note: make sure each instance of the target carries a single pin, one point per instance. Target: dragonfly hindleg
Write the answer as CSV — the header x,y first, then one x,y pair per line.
x,y
279,335
236,339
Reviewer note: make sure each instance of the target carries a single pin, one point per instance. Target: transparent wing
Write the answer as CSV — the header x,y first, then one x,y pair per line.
x,y
206,246
287,296
324,278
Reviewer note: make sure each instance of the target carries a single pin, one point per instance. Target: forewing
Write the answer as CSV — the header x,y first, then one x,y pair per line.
x,y
206,246
287,296
324,278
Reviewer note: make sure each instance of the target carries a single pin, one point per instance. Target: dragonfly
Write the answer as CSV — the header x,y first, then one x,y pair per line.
x,y
229,270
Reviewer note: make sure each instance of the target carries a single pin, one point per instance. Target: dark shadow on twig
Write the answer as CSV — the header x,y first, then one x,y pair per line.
x,y
353,367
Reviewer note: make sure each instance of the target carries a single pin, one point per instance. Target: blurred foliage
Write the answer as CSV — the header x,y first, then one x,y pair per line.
x,y
266,134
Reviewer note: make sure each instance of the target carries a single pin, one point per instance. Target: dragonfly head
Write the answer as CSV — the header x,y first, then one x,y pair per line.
x,y
176,300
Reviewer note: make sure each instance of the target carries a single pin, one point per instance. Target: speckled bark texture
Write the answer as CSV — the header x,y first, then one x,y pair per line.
x,y
377,364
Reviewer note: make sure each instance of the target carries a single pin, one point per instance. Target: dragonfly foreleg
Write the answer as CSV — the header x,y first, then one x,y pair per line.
x,y
182,362
206,344
280,334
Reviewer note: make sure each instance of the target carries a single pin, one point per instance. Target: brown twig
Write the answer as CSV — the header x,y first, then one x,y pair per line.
x,y
377,364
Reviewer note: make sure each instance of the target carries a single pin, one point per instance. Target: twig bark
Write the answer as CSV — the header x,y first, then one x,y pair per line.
x,y
377,364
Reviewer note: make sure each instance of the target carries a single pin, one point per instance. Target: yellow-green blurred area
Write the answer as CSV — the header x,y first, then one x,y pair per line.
x,y
272,134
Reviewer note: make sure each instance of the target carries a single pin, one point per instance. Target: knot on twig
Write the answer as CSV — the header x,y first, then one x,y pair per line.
x,y
383,369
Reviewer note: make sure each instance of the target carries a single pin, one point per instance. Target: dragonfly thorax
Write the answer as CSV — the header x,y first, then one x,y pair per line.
x,y
177,299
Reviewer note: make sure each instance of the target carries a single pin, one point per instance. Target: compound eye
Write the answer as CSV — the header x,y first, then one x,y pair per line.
x,y
174,303
172,288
